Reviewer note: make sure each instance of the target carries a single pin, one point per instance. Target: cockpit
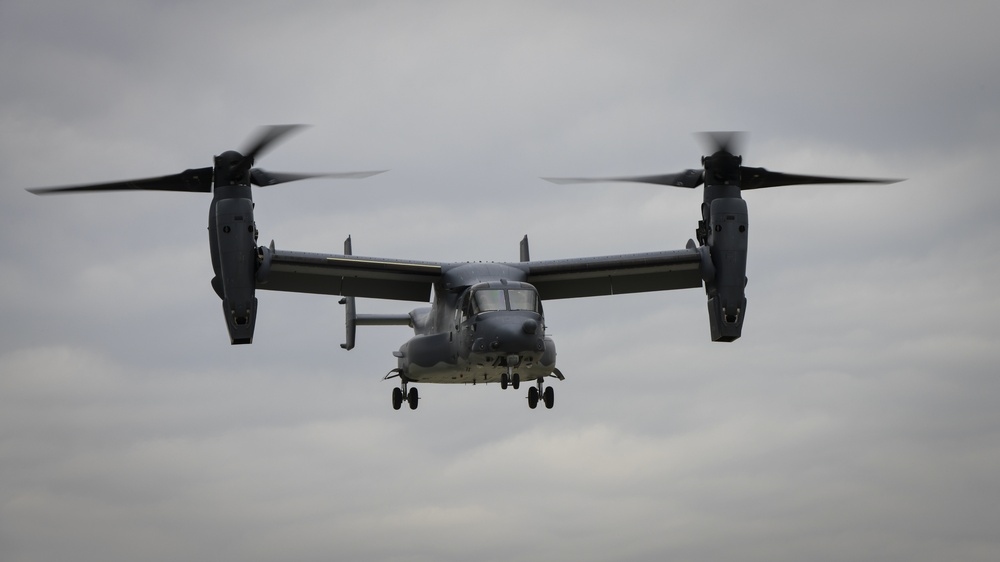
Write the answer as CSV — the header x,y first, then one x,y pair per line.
x,y
492,297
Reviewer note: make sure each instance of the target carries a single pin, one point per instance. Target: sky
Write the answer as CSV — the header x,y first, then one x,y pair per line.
x,y
855,419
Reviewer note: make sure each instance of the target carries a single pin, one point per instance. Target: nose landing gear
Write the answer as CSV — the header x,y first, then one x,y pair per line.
x,y
511,379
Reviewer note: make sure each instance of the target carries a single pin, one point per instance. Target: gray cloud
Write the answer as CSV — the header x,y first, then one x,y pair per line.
x,y
855,419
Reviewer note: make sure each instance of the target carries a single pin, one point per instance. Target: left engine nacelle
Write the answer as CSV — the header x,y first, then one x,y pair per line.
x,y
235,239
727,242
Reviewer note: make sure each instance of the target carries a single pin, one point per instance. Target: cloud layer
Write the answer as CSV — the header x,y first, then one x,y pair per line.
x,y
855,419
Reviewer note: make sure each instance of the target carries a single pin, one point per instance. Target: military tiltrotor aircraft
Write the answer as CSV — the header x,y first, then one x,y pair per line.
x,y
485,323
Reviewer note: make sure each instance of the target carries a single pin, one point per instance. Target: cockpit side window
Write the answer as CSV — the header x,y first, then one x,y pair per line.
x,y
465,308
523,299
488,300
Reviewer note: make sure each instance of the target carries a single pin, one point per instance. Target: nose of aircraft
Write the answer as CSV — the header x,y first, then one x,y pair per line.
x,y
510,334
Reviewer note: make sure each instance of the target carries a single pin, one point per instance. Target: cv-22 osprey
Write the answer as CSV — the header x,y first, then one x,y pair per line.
x,y
485,323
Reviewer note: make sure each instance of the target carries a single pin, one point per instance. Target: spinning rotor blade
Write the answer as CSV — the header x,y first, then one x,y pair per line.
x,y
233,169
727,143
197,180
723,141
264,178
266,136
757,178
687,178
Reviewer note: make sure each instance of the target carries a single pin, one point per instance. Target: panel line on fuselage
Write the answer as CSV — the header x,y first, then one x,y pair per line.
x,y
425,267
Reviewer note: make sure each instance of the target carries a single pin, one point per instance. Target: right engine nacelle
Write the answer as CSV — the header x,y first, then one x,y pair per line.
x,y
727,242
234,236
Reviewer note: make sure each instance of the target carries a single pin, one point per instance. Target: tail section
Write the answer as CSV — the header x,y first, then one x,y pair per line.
x,y
353,319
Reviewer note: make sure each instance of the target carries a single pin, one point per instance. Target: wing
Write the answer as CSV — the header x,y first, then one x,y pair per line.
x,y
615,275
347,275
381,278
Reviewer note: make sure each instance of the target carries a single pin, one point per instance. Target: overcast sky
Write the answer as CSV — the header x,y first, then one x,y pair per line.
x,y
856,419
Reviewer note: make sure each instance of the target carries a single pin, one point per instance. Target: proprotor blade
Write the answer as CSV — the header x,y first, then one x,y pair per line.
x,y
687,178
757,178
264,178
264,138
197,180
723,141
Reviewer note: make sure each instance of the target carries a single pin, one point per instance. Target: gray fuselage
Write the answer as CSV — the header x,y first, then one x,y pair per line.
x,y
484,323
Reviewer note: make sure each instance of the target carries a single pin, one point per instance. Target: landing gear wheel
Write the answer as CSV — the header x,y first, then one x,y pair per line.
x,y
532,398
516,382
504,380
549,396
397,398
412,397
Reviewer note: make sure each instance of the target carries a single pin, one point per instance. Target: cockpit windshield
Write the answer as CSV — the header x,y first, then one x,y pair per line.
x,y
488,300
523,299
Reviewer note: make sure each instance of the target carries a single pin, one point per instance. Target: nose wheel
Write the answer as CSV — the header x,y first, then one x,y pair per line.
x,y
546,393
510,379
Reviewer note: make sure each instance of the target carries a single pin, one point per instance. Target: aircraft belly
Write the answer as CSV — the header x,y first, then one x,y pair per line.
x,y
435,358
477,369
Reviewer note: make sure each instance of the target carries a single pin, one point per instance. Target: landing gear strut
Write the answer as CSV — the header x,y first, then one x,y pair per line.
x,y
510,379
400,392
546,393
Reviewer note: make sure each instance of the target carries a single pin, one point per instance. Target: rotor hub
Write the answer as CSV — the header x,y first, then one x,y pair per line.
x,y
722,168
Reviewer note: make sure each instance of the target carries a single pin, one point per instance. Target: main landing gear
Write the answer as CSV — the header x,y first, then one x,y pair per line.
x,y
399,393
412,397
547,394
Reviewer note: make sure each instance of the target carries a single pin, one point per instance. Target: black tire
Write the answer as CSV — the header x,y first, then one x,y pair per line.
x,y
516,382
532,398
549,396
503,381
397,398
413,398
